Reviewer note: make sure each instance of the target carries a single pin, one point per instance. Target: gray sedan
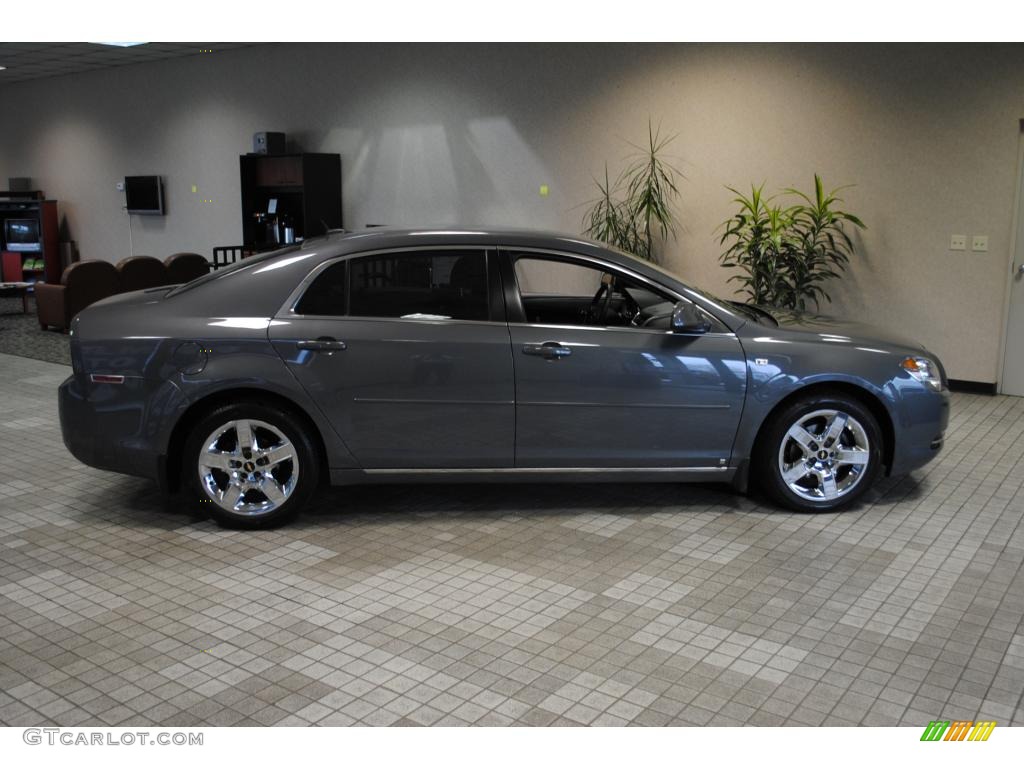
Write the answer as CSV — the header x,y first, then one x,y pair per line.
x,y
390,356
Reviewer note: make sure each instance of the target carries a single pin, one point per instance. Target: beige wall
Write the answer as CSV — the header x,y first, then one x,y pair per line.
x,y
452,133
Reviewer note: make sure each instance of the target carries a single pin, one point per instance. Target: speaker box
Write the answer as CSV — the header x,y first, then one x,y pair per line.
x,y
268,143
19,184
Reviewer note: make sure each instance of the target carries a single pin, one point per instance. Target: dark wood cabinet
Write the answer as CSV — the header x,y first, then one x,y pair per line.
x,y
283,171
304,189
34,262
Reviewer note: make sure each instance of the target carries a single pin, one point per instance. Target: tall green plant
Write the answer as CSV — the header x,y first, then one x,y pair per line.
x,y
786,254
637,210
822,247
759,235
611,220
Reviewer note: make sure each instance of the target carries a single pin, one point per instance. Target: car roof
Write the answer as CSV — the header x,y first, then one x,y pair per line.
x,y
386,237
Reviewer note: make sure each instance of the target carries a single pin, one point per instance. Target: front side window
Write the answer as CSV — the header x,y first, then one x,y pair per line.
x,y
560,291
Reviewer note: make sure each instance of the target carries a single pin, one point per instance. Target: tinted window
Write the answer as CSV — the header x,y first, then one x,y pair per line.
x,y
420,284
326,296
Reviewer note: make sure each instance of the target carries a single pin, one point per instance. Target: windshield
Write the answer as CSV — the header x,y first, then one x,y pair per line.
x,y
249,261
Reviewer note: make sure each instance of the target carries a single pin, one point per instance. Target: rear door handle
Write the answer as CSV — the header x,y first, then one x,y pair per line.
x,y
323,344
549,350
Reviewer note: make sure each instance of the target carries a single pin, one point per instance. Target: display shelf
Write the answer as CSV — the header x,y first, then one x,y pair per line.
x,y
305,188
17,262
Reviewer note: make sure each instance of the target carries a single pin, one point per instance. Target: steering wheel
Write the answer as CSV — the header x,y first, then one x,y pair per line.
x,y
631,308
602,299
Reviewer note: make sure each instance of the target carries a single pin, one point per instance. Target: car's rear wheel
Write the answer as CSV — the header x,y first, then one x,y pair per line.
x,y
819,453
251,466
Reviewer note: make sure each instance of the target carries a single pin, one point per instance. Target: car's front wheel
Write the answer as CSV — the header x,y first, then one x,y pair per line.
x,y
819,453
251,466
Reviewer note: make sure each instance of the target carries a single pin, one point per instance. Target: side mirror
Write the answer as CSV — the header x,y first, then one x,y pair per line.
x,y
686,318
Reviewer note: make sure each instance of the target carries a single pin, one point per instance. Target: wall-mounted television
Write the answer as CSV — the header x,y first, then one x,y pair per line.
x,y
144,195
22,235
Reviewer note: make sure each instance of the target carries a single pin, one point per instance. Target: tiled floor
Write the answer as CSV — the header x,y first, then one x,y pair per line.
x,y
511,605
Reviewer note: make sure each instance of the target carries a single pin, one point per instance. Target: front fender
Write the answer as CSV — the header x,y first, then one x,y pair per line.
x,y
777,372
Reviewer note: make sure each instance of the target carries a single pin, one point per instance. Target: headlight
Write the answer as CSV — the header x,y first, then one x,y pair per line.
x,y
924,370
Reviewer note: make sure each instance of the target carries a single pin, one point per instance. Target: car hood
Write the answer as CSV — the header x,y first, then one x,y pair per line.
x,y
837,329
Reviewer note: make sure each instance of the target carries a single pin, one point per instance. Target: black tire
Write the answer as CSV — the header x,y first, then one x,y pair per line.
x,y
305,462
769,459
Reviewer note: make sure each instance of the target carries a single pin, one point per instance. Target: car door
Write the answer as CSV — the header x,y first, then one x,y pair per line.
x,y
407,352
610,394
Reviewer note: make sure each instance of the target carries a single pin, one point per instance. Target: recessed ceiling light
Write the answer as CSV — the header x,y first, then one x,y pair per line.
x,y
2,68
121,45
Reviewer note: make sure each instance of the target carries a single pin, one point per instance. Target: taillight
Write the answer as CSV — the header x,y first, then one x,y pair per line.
x,y
106,378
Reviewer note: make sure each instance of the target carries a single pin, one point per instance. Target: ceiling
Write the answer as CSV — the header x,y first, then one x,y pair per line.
x,y
31,61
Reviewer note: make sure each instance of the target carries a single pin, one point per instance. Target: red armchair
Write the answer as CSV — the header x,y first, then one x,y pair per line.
x,y
139,272
185,267
82,284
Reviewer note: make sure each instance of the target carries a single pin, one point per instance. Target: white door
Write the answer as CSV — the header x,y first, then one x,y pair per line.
x,y
1012,382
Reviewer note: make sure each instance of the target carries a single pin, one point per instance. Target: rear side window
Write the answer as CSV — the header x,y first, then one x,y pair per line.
x,y
328,294
439,285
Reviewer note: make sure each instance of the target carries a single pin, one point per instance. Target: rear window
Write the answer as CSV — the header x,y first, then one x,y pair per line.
x,y
216,274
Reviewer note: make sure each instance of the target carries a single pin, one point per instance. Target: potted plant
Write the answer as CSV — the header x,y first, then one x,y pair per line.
x,y
637,209
786,254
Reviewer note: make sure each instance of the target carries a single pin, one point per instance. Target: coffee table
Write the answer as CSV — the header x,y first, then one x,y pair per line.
x,y
8,290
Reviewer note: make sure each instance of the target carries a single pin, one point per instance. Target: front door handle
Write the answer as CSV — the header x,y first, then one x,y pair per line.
x,y
322,344
549,350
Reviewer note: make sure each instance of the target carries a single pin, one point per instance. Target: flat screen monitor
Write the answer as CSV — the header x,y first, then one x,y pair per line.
x,y
144,195
21,235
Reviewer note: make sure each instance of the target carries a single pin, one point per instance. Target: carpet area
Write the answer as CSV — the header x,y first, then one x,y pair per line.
x,y
20,334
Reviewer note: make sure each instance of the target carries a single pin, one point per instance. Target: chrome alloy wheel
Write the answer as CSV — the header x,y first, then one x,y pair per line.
x,y
248,467
824,455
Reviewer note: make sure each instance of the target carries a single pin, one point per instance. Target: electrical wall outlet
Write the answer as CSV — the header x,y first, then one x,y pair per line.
x,y
958,243
979,243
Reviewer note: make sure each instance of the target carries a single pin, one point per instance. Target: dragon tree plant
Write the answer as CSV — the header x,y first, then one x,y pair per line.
x,y
786,254
635,211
